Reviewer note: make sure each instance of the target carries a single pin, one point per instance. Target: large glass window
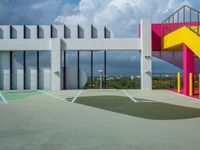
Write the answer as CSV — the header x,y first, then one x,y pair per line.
x,y
98,64
85,69
71,70
17,70
119,69
77,69
44,69
123,69
31,70
31,59
45,59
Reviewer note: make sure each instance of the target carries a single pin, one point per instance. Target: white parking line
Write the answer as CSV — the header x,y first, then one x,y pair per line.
x,y
148,102
46,93
77,96
3,98
129,96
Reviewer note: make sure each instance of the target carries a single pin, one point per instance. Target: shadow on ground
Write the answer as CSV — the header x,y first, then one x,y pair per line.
x,y
147,110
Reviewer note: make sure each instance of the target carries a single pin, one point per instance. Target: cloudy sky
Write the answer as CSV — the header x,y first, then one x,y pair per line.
x,y
122,16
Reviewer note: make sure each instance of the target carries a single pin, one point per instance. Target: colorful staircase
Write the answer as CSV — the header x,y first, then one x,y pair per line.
x,y
180,32
184,35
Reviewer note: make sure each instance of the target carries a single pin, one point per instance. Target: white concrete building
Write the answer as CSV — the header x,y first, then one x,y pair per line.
x,y
15,73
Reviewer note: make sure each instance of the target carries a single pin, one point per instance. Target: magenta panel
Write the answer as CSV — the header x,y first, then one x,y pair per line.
x,y
157,32
188,67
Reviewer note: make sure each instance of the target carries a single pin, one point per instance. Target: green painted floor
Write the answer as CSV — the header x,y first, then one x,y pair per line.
x,y
143,108
17,95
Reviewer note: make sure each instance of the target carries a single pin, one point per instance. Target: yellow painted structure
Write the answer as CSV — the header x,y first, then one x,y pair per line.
x,y
191,85
174,40
178,82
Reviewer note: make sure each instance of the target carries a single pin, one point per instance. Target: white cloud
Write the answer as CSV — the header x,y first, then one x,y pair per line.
x,y
44,4
122,16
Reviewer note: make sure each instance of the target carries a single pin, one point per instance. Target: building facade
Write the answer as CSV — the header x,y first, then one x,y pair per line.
x,y
16,72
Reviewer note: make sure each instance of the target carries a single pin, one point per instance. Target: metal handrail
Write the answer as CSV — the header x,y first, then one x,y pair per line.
x,y
179,19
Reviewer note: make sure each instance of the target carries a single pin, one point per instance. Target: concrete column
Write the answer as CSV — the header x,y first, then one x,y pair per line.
x,y
56,76
146,55
188,67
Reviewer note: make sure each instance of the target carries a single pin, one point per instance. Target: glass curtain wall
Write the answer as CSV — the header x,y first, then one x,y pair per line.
x,y
30,70
109,69
85,78
123,70
77,69
98,68
70,63
44,70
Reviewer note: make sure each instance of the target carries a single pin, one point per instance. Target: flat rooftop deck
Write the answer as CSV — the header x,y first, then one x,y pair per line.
x,y
99,119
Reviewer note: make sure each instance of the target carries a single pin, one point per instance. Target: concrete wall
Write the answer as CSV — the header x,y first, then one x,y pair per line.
x,y
30,32
58,31
4,32
65,37
17,32
85,31
71,31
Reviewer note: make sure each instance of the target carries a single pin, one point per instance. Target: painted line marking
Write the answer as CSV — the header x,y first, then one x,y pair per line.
x,y
3,98
129,96
147,102
79,93
46,93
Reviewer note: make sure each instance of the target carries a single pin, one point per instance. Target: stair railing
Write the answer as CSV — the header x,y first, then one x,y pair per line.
x,y
184,16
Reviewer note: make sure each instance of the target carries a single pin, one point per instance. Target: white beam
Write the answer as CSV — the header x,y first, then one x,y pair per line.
x,y
102,44
72,44
24,44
